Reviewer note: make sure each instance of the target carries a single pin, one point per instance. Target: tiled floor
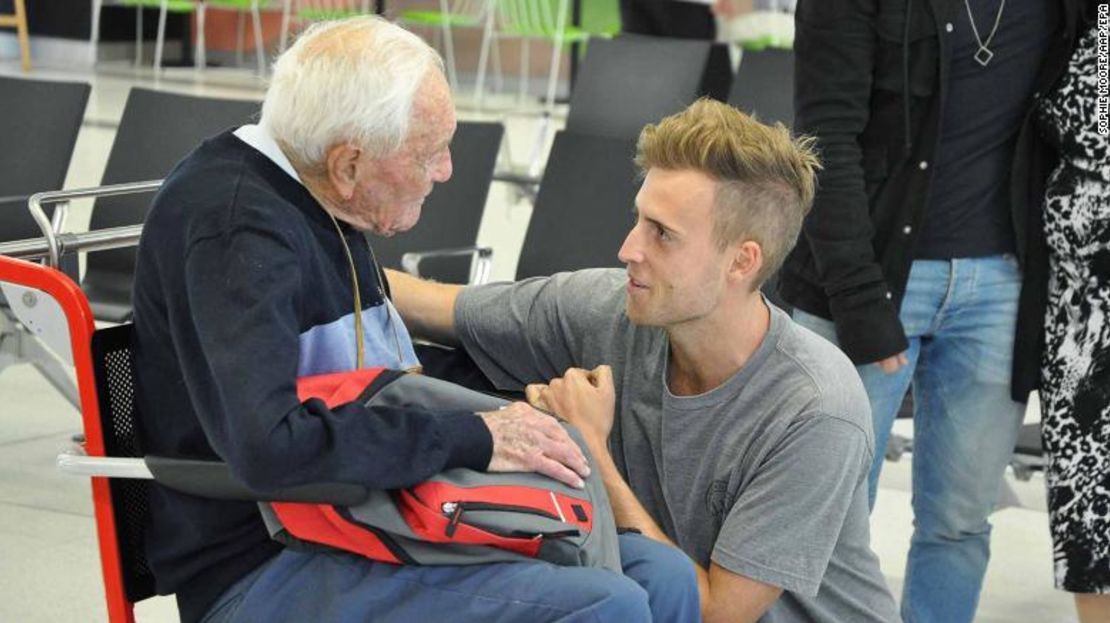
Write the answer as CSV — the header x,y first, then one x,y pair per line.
x,y
49,569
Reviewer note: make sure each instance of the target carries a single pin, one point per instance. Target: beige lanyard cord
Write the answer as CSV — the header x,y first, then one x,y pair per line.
x,y
359,355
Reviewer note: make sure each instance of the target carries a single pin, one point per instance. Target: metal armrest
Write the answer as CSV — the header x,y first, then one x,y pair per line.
x,y
208,479
76,462
479,269
526,184
54,240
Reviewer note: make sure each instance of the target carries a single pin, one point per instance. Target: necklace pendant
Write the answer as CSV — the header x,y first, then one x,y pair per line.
x,y
984,56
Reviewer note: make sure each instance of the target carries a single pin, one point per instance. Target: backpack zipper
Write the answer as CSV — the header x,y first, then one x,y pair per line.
x,y
455,511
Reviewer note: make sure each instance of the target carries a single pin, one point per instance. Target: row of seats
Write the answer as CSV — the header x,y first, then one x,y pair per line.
x,y
589,174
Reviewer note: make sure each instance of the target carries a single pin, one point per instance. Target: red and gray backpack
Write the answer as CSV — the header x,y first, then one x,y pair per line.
x,y
459,516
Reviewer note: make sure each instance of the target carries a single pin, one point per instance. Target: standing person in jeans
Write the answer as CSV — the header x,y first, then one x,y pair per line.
x,y
912,258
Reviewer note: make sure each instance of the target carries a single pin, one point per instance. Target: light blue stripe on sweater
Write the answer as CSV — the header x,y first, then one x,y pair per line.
x,y
331,347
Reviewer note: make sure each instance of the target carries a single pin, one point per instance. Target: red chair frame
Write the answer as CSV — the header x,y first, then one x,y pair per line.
x,y
79,319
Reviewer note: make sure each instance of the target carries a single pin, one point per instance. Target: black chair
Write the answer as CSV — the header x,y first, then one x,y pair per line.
x,y
113,368
156,131
584,208
452,214
764,86
630,81
39,121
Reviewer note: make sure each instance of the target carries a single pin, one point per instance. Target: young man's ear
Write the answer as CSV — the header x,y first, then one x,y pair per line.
x,y
343,163
747,260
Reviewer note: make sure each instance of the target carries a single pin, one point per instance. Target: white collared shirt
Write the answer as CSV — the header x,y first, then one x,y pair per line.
x,y
261,140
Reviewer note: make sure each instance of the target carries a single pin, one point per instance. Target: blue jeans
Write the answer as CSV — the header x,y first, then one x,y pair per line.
x,y
959,316
659,585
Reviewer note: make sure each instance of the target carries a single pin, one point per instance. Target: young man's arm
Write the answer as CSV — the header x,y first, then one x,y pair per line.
x,y
725,596
586,399
428,308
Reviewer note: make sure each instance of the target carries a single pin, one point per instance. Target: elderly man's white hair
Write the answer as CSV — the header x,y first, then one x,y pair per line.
x,y
347,80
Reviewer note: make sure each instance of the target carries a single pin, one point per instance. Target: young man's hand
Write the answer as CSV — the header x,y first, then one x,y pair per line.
x,y
890,365
585,398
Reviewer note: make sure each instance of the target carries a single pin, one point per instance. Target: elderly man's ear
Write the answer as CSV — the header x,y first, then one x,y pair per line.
x,y
344,161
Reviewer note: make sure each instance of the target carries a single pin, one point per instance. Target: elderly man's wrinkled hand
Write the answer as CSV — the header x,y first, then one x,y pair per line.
x,y
525,440
585,398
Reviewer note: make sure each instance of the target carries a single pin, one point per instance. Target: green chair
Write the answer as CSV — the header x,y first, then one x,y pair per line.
x,y
460,14
189,6
527,20
601,18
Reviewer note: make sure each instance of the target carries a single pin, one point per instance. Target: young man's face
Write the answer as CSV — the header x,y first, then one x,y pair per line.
x,y
676,272
390,193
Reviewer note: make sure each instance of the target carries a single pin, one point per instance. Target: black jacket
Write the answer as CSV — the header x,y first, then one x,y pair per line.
x,y
870,83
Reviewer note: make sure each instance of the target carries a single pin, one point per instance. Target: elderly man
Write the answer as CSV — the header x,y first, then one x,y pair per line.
x,y
253,271
718,423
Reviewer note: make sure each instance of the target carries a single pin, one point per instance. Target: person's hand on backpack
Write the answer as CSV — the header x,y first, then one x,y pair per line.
x,y
525,440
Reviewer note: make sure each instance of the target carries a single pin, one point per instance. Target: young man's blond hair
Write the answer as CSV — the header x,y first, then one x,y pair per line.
x,y
765,178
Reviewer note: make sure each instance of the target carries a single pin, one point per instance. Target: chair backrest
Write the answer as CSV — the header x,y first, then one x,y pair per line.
x,y
601,17
584,207
764,85
39,122
318,10
452,214
632,80
537,18
114,374
156,131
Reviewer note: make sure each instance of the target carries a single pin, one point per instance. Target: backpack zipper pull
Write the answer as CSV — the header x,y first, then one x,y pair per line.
x,y
455,511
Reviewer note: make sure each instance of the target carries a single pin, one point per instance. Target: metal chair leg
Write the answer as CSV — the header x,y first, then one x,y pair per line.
x,y
448,45
258,43
240,37
525,69
556,54
495,60
18,346
286,9
94,31
483,55
138,36
160,42
201,58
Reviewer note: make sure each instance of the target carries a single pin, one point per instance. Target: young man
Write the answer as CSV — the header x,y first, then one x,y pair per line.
x,y
719,424
254,270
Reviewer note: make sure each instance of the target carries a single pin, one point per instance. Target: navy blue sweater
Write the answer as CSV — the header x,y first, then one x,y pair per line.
x,y
242,286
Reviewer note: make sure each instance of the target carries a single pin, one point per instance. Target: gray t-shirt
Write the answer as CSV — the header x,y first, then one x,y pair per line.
x,y
765,475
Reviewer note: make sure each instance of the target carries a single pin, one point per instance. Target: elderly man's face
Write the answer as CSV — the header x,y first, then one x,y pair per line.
x,y
389,194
